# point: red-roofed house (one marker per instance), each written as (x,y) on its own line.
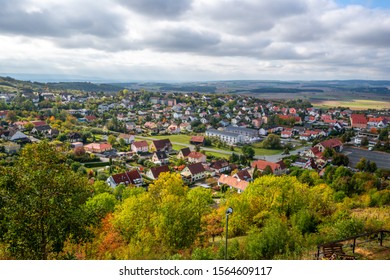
(131,177)
(358,121)
(233,182)
(197,140)
(277,168)
(97,147)
(140,147)
(196,157)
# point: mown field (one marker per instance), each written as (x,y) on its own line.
(354,104)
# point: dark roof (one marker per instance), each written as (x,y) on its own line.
(159,169)
(218,164)
(243,175)
(130,177)
(185,151)
(43,127)
(196,168)
(161,154)
(162,144)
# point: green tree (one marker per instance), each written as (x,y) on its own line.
(98,206)
(272,141)
(248,151)
(43,203)
(111,140)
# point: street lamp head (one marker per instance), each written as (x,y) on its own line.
(229,211)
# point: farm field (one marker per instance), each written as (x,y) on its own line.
(354,104)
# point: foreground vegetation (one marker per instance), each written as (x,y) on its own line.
(48,211)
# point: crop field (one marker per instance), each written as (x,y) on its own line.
(354,104)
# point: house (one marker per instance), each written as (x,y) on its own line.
(335,144)
(196,157)
(74,137)
(193,172)
(243,175)
(154,172)
(132,177)
(220,166)
(161,145)
(185,126)
(128,138)
(183,153)
(358,121)
(286,134)
(197,140)
(277,168)
(41,129)
(90,118)
(233,182)
(160,157)
(19,137)
(11,148)
(257,122)
(140,147)
(97,147)
(318,150)
(173,129)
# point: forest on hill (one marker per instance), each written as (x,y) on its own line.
(48,211)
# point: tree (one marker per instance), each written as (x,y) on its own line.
(43,203)
(248,151)
(111,140)
(272,141)
(340,159)
(11,117)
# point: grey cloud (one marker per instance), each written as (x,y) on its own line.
(182,39)
(59,21)
(250,16)
(158,8)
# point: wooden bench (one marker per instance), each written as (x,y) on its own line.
(335,251)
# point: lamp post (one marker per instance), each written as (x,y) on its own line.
(228,212)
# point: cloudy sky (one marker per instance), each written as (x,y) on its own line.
(194,40)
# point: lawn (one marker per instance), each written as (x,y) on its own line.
(266,152)
(180,138)
(219,155)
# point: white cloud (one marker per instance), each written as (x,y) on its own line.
(193,40)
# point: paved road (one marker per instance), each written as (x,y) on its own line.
(381,159)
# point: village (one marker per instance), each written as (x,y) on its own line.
(214,141)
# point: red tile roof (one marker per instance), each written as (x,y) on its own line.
(140,144)
(197,139)
(196,155)
(233,182)
(262,164)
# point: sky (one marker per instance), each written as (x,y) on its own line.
(196,40)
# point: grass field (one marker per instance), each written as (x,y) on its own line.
(219,155)
(354,104)
(185,139)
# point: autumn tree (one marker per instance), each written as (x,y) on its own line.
(42,202)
